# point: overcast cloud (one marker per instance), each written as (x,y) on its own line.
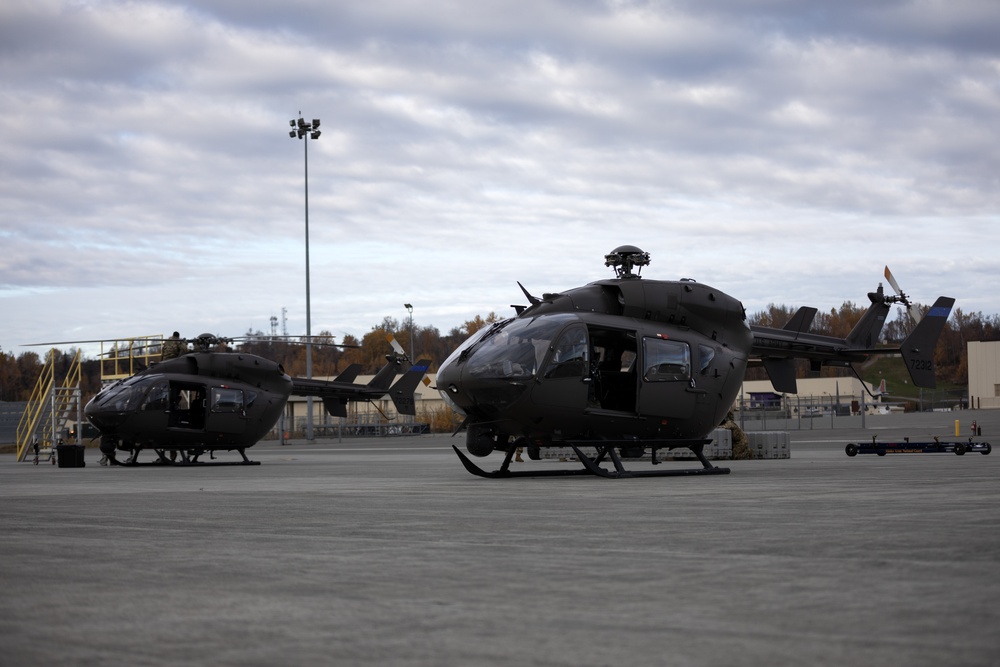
(781,151)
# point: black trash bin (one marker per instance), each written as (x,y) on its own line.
(70,456)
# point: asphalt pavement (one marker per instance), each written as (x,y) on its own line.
(387,552)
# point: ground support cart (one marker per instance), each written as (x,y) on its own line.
(907,447)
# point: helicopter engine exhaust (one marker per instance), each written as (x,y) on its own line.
(480,441)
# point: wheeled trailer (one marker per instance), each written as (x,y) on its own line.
(907,447)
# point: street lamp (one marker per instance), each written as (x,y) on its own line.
(303,130)
(409,309)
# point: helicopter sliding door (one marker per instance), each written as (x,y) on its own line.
(666,378)
(226,411)
(613,369)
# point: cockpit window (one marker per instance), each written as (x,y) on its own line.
(665,360)
(127,395)
(570,354)
(517,349)
(157,397)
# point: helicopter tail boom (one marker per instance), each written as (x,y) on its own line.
(777,349)
(336,394)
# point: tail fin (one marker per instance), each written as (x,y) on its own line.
(383,379)
(402,392)
(801,320)
(349,374)
(336,407)
(918,348)
(865,333)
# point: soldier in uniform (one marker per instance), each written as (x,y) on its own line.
(173,347)
(741,443)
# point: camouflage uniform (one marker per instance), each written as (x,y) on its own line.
(173,347)
(741,443)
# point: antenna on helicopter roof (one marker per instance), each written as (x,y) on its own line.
(623,258)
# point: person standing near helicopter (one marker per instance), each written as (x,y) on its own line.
(173,347)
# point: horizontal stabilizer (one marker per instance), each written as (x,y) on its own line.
(918,348)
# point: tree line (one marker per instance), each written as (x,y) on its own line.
(330,356)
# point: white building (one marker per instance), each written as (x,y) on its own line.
(845,394)
(428,401)
(984,374)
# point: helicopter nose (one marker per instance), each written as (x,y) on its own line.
(104,423)
(468,393)
(104,419)
(448,379)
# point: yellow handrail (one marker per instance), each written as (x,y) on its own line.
(43,396)
(36,403)
(121,358)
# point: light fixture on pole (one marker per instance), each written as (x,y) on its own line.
(409,309)
(303,130)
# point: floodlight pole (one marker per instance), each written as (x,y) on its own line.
(305,131)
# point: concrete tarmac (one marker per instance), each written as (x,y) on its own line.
(387,552)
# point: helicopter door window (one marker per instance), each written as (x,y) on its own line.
(666,360)
(569,355)
(225,399)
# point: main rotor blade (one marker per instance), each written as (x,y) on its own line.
(98,340)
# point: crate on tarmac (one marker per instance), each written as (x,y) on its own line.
(770,444)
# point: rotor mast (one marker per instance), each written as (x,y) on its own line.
(624,258)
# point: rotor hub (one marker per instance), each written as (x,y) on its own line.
(624,258)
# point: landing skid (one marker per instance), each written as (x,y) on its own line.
(188,458)
(592,466)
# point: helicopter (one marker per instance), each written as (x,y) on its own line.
(207,400)
(629,365)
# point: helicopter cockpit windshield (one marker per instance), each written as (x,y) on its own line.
(126,395)
(515,350)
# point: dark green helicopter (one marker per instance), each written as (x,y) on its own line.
(207,400)
(627,365)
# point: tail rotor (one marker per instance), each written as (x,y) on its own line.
(901,297)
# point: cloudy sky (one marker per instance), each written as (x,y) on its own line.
(781,151)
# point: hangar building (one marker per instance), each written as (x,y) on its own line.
(984,374)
